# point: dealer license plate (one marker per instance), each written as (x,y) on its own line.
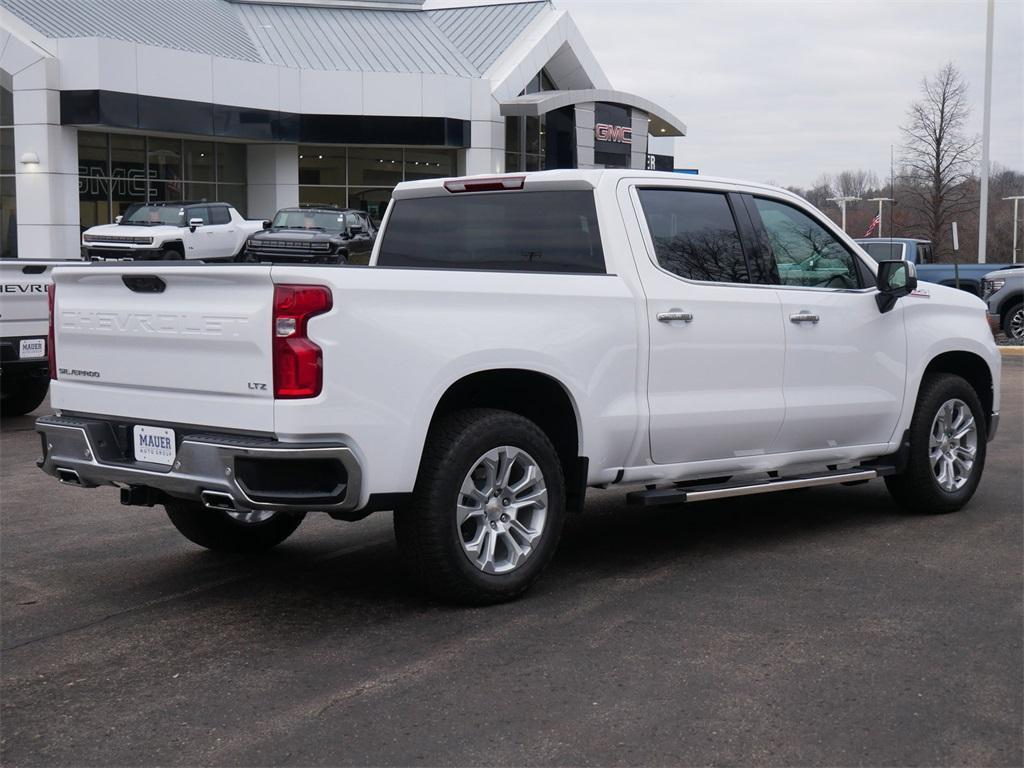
(155,445)
(32,349)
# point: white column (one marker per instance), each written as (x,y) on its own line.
(47,190)
(273,178)
(638,156)
(585,135)
(486,153)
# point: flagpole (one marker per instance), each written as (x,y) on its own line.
(880,201)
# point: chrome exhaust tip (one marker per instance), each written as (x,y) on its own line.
(68,476)
(218,500)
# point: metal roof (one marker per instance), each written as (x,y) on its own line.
(202,26)
(483,32)
(353,40)
(461,41)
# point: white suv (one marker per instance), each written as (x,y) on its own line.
(171,231)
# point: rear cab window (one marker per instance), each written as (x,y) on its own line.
(694,234)
(522,231)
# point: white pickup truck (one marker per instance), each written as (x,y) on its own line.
(172,231)
(514,341)
(24,362)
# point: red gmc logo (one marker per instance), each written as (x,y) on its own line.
(618,134)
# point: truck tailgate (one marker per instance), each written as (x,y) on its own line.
(172,344)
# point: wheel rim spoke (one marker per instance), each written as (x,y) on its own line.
(953,445)
(501,509)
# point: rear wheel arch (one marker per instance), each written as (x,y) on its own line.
(536,396)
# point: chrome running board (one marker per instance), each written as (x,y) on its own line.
(678,495)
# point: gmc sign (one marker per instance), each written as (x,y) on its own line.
(617,134)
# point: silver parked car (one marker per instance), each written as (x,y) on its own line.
(1003,290)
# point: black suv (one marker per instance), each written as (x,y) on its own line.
(314,234)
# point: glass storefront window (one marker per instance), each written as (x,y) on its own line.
(7,151)
(424,164)
(164,159)
(336,196)
(198,157)
(8,188)
(8,219)
(93,155)
(231,159)
(322,165)
(234,194)
(201,191)
(374,167)
(119,170)
(373,201)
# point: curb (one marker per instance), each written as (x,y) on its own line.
(1012,351)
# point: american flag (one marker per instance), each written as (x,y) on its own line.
(875,223)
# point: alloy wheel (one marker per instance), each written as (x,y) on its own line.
(501,509)
(953,444)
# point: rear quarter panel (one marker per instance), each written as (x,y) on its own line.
(397,339)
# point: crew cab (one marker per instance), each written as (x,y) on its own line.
(514,341)
(171,231)
(314,234)
(24,349)
(965,276)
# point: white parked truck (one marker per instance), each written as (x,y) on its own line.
(24,346)
(171,231)
(514,341)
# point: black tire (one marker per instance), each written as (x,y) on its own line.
(220,532)
(171,255)
(917,489)
(429,538)
(24,396)
(1008,317)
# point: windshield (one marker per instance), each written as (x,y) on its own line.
(883,251)
(332,221)
(154,216)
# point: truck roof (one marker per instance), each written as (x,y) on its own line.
(576,179)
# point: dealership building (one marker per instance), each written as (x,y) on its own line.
(272,103)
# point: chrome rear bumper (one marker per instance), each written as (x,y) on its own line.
(87,453)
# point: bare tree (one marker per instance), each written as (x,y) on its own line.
(855,183)
(937,157)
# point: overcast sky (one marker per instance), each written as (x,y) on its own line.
(784,91)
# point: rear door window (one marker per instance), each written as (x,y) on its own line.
(219,215)
(695,235)
(553,231)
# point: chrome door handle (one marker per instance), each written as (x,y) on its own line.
(668,317)
(804,317)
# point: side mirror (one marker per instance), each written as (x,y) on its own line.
(117,219)
(895,280)
(356,229)
(193,223)
(267,224)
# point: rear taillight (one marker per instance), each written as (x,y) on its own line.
(51,343)
(298,362)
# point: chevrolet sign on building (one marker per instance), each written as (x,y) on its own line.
(241,101)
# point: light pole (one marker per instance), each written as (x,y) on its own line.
(1016,199)
(880,200)
(986,134)
(841,202)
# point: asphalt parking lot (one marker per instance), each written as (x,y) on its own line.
(825,627)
